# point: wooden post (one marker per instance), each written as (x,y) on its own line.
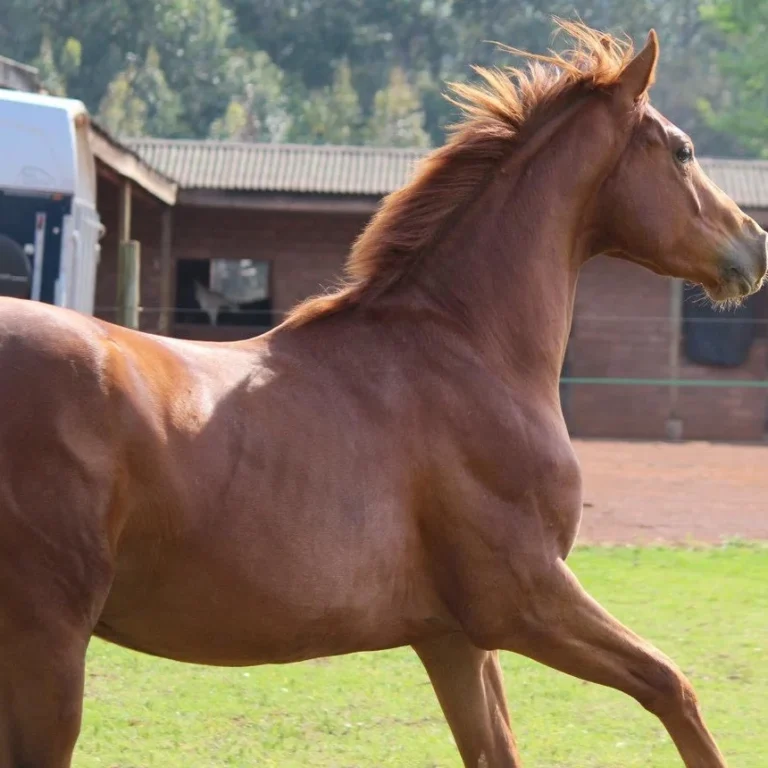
(128,262)
(166,273)
(124,213)
(674,422)
(128,274)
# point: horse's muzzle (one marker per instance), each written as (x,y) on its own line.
(744,268)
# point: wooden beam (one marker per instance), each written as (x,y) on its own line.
(167,272)
(108,173)
(110,176)
(129,165)
(215,198)
(19,77)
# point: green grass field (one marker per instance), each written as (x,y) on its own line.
(707,608)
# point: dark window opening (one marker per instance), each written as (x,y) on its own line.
(717,337)
(20,215)
(223,292)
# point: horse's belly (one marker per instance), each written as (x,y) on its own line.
(230,612)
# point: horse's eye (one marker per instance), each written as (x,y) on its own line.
(684,154)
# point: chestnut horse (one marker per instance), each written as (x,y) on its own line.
(388,467)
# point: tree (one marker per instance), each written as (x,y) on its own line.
(122,111)
(303,37)
(330,115)
(193,40)
(139,101)
(741,109)
(258,106)
(397,119)
(23,24)
(308,38)
(190,39)
(50,77)
(332,66)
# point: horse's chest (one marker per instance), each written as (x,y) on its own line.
(532,486)
(555,495)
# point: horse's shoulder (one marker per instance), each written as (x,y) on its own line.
(40,342)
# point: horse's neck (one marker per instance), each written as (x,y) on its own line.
(509,268)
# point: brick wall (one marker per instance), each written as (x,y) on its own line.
(622,329)
(621,326)
(306,252)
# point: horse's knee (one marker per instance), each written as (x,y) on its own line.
(665,690)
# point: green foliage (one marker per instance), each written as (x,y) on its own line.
(140,102)
(741,107)
(71,57)
(330,115)
(192,38)
(101,49)
(257,108)
(52,80)
(397,119)
(354,71)
(122,111)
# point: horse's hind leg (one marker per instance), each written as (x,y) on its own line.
(470,689)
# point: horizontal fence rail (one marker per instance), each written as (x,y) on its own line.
(630,381)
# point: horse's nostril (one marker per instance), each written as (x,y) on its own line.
(738,276)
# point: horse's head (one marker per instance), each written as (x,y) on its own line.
(659,209)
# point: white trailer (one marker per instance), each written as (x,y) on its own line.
(49,224)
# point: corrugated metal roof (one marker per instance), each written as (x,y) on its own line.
(354,170)
(746,181)
(279,167)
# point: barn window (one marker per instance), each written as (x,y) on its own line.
(716,337)
(224,292)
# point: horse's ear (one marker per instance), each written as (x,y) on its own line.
(638,76)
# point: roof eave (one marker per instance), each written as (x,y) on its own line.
(264,200)
(128,164)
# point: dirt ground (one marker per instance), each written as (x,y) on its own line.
(673,492)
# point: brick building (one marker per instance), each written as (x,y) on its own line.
(280,219)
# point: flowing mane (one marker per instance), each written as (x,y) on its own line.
(494,112)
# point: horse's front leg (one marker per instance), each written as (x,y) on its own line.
(553,620)
(470,689)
